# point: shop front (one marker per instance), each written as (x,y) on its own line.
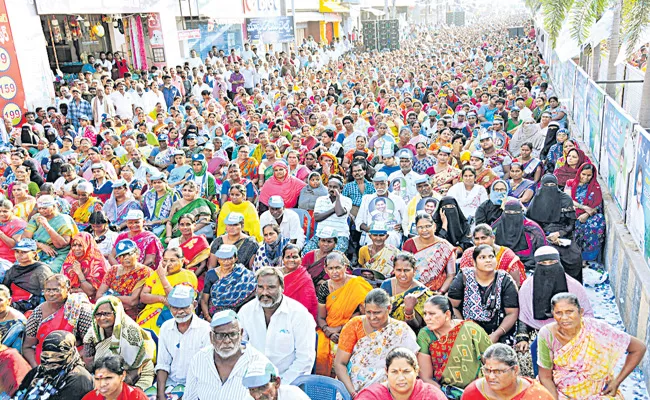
(330,29)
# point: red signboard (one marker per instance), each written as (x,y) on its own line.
(12,95)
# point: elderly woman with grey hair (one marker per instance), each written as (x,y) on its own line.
(365,341)
(85,205)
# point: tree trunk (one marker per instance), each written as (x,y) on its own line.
(644,111)
(595,62)
(613,47)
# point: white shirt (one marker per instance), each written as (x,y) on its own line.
(123,104)
(176,350)
(399,214)
(339,224)
(203,381)
(247,55)
(289,339)
(468,200)
(410,179)
(288,392)
(248,77)
(290,226)
(152,99)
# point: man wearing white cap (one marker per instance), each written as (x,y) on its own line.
(216,372)
(264,383)
(290,226)
(280,327)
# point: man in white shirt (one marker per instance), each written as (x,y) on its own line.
(180,338)
(289,222)
(280,327)
(263,383)
(216,372)
(247,54)
(122,102)
(194,61)
(405,164)
(248,71)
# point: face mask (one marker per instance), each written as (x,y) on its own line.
(180,320)
(497,197)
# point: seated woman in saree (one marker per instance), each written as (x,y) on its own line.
(126,279)
(114,332)
(205,181)
(401,372)
(577,355)
(407,294)
(434,256)
(26,278)
(574,159)
(518,233)
(12,325)
(297,281)
(270,253)
(281,184)
(61,375)
(507,260)
(536,293)
(487,296)
(588,201)
(531,166)
(52,232)
(501,378)
(382,254)
(237,203)
(229,286)
(149,245)
(491,210)
(203,211)
(85,205)
(314,261)
(24,203)
(556,150)
(246,245)
(553,210)
(365,341)
(101,233)
(110,373)
(520,188)
(485,176)
(195,248)
(443,175)
(11,231)
(85,266)
(451,349)
(158,285)
(62,310)
(119,205)
(452,225)
(157,203)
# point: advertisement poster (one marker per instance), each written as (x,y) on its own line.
(594,114)
(270,30)
(638,206)
(580,94)
(618,151)
(568,75)
(12,95)
(156,41)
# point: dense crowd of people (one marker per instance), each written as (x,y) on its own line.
(411,223)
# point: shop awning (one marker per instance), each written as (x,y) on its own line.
(332,6)
(373,11)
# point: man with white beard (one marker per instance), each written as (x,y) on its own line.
(280,327)
(216,371)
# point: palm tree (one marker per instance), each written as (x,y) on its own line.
(631,17)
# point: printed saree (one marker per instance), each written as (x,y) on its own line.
(231,291)
(64,225)
(199,208)
(431,264)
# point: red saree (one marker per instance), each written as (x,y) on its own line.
(195,251)
(299,286)
(507,260)
(421,391)
(535,391)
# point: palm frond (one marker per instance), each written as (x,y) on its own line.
(635,19)
(582,17)
(555,12)
(533,5)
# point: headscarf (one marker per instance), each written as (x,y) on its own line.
(548,280)
(209,184)
(93,263)
(497,198)
(562,160)
(509,229)
(130,341)
(289,188)
(308,194)
(545,205)
(457,226)
(273,251)
(58,359)
(34,176)
(55,168)
(594,196)
(551,138)
(565,172)
(526,133)
(335,166)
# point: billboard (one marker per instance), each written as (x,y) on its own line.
(270,30)
(12,94)
(638,205)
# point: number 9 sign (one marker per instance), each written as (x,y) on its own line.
(13,112)
(5,60)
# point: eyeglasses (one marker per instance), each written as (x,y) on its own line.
(106,314)
(232,336)
(52,290)
(495,372)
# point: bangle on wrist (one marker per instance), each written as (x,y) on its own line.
(504,331)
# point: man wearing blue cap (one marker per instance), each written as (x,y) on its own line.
(180,339)
(264,383)
(216,372)
(399,215)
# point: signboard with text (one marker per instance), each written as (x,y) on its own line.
(638,205)
(270,30)
(12,95)
(189,34)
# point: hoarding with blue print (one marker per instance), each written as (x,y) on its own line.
(579,104)
(638,205)
(594,112)
(270,30)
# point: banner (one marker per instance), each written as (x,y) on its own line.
(156,40)
(594,112)
(580,100)
(638,206)
(567,78)
(12,94)
(270,30)
(618,151)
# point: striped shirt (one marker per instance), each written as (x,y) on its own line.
(204,383)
